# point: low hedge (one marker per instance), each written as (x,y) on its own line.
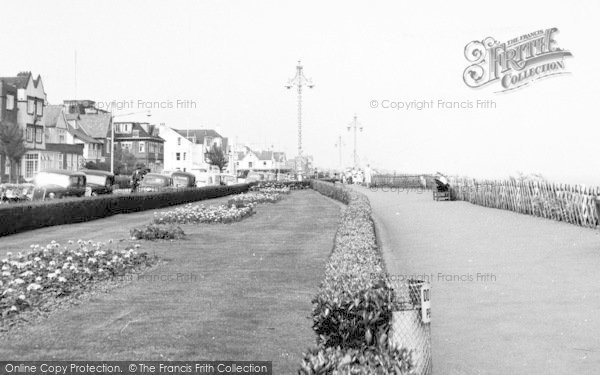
(352,310)
(338,361)
(21,217)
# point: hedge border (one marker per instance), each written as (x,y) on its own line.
(21,217)
(353,308)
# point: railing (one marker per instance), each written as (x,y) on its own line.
(407,181)
(575,204)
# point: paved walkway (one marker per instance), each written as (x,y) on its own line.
(511,294)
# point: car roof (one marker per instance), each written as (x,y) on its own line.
(63,172)
(97,172)
(155,175)
(182,174)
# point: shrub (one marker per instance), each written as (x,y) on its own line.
(154,232)
(20,217)
(336,192)
(339,361)
(123,181)
(352,310)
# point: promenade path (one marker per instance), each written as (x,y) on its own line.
(511,293)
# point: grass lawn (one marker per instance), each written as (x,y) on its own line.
(237,291)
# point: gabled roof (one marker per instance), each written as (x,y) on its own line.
(265,155)
(142,133)
(81,135)
(97,125)
(53,112)
(198,134)
(21,80)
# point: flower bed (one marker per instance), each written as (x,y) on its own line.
(353,308)
(37,279)
(155,232)
(252,198)
(196,214)
(292,185)
(271,189)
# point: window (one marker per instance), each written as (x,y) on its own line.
(29,134)
(61,138)
(142,146)
(38,135)
(126,146)
(39,108)
(136,133)
(178,141)
(30,106)
(10,102)
(184,156)
(60,161)
(264,163)
(177,156)
(249,164)
(31,165)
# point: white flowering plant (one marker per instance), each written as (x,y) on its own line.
(197,214)
(252,198)
(36,279)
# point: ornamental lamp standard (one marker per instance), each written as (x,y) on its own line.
(112,135)
(299,81)
(354,125)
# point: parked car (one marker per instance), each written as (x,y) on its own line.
(16,192)
(208,179)
(183,179)
(155,182)
(59,183)
(228,179)
(100,182)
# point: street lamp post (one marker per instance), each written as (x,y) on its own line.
(299,81)
(112,135)
(354,125)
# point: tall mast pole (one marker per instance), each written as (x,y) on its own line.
(299,81)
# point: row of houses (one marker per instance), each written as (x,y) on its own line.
(71,134)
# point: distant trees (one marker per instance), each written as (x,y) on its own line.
(101,165)
(12,146)
(125,161)
(217,157)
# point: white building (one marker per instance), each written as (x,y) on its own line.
(185,149)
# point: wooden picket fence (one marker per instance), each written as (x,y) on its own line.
(406,181)
(575,204)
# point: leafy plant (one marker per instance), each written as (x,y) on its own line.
(154,232)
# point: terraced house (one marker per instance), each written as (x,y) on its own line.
(143,141)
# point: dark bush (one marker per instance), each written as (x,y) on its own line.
(340,361)
(123,181)
(157,232)
(20,217)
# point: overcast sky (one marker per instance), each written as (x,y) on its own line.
(232,59)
